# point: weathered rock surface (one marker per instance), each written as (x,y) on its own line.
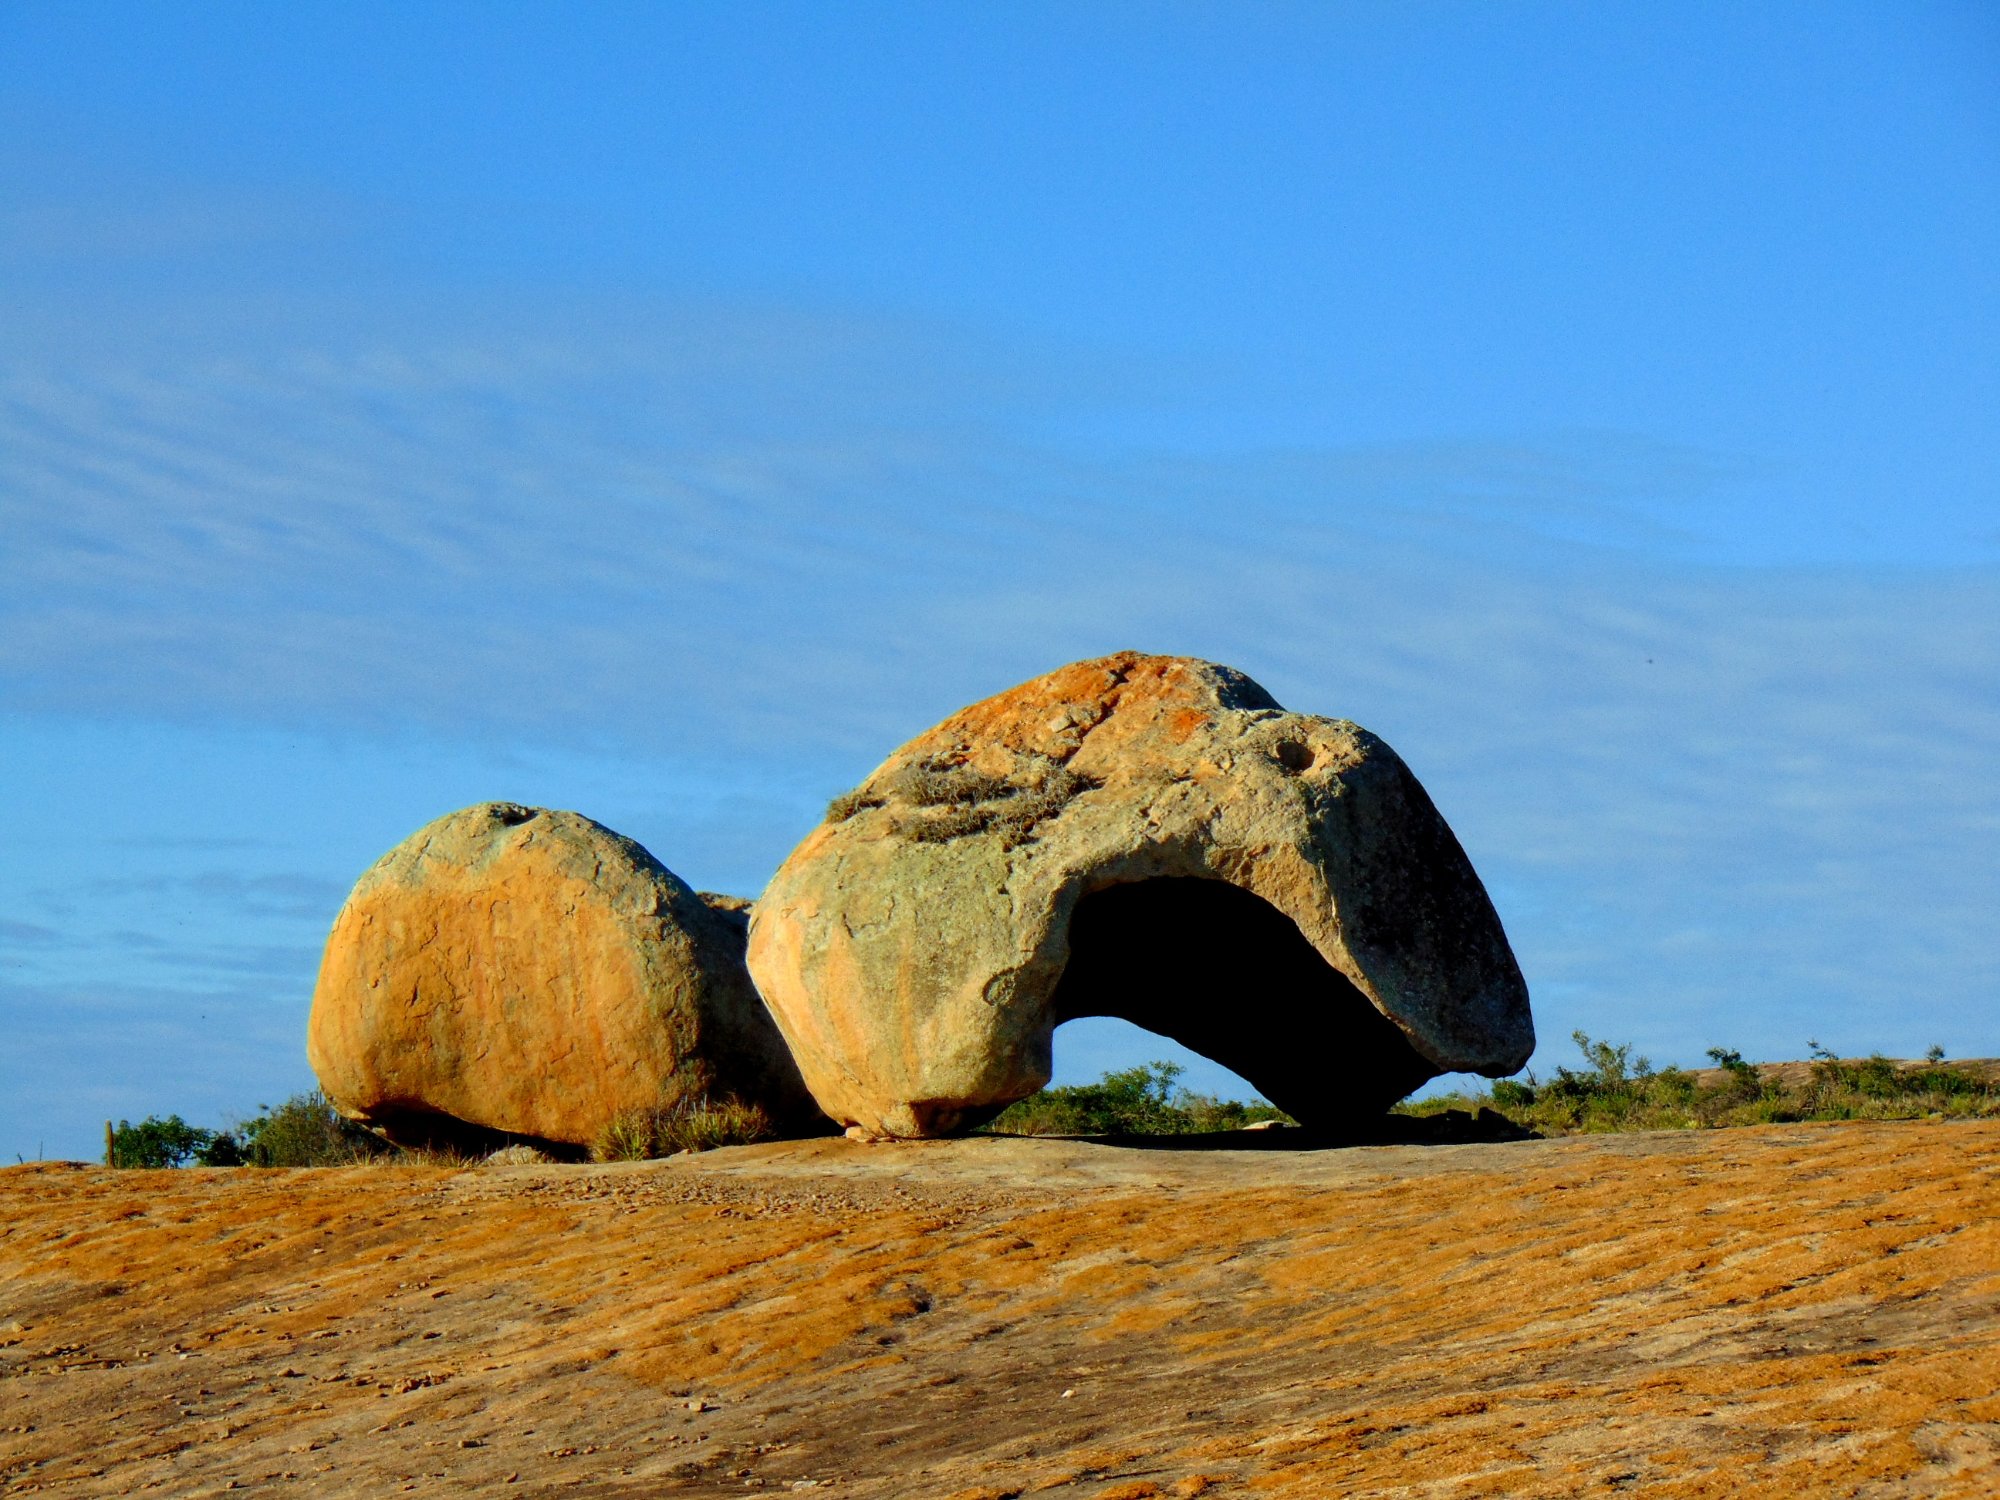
(1148,837)
(1785,1312)
(515,970)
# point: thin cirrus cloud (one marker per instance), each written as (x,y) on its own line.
(573,528)
(28,934)
(235,894)
(124,1052)
(201,925)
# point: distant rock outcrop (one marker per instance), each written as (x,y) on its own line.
(512,971)
(1148,837)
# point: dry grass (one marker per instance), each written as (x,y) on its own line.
(950,800)
(517,1155)
(847,804)
(696,1124)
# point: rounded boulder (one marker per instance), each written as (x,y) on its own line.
(513,971)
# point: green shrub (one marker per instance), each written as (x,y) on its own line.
(1616,1091)
(1130,1101)
(693,1124)
(306,1131)
(223,1151)
(1509,1093)
(155,1142)
(1742,1082)
(1874,1076)
(1612,1072)
(1731,1061)
(1673,1086)
(1941,1080)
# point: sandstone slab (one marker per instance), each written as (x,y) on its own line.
(1148,837)
(516,971)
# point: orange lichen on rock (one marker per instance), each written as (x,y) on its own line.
(1784,1311)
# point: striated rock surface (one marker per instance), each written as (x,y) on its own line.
(1784,1312)
(1148,837)
(519,971)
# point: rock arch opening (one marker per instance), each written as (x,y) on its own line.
(412,1125)
(1088,1047)
(1229,976)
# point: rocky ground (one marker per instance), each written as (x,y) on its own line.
(1796,1310)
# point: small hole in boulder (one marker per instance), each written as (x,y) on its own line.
(1294,756)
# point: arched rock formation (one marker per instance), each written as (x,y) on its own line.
(1148,837)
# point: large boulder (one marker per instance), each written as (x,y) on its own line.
(510,971)
(1149,837)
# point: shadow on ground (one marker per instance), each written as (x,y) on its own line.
(1452,1127)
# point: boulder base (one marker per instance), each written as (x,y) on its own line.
(513,971)
(1148,837)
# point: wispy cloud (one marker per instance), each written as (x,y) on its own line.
(538,534)
(204,843)
(284,963)
(285,895)
(189,929)
(82,1055)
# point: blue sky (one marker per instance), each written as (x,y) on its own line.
(663,411)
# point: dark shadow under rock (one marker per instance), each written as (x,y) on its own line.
(1228,975)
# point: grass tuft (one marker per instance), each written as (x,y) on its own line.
(939,783)
(964,802)
(520,1154)
(952,800)
(847,804)
(696,1124)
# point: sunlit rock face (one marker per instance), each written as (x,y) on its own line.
(510,971)
(1148,837)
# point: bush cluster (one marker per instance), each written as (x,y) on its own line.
(170,1141)
(307,1131)
(304,1131)
(1145,1100)
(1616,1091)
